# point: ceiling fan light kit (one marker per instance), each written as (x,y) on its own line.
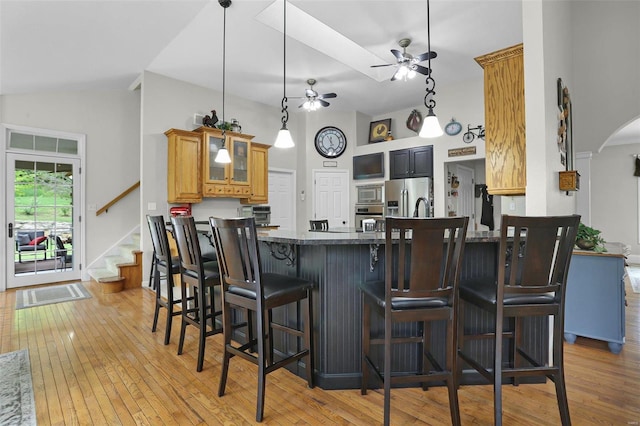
(223,154)
(313,100)
(430,125)
(407,64)
(284,139)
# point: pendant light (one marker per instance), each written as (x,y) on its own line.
(284,139)
(430,125)
(223,154)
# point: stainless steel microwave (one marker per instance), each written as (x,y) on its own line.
(369,194)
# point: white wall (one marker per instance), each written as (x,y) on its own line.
(615,201)
(111,121)
(547,56)
(606,95)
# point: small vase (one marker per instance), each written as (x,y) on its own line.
(585,245)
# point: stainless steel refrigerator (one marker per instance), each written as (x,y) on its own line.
(401,196)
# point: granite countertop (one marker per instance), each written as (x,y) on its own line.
(340,236)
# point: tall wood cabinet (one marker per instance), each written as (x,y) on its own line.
(226,180)
(504,121)
(184,174)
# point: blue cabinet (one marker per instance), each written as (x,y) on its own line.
(595,304)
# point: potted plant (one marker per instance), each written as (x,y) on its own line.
(589,238)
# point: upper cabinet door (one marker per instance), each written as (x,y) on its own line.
(184,176)
(412,162)
(239,161)
(214,172)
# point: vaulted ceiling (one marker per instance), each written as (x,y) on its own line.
(54,45)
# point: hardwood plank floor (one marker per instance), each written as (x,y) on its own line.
(95,361)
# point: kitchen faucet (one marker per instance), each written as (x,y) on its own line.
(426,207)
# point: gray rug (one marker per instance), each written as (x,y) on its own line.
(51,294)
(17,406)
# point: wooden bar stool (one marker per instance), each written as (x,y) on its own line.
(422,269)
(244,285)
(164,266)
(533,265)
(198,279)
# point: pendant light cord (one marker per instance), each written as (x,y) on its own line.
(285,113)
(224,67)
(429,102)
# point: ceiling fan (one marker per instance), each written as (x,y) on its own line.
(313,99)
(407,64)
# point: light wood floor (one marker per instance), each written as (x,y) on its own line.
(95,361)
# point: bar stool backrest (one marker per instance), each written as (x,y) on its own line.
(188,244)
(534,257)
(238,256)
(158,231)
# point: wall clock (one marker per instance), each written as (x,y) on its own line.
(330,142)
(453,127)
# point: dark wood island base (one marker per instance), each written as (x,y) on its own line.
(337,262)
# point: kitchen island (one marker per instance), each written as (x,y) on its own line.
(337,261)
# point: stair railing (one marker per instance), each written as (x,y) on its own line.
(126,192)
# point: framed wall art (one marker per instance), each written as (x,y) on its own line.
(378,130)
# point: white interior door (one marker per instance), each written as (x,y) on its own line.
(282,199)
(331,197)
(43,219)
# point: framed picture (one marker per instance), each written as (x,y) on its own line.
(565,133)
(378,130)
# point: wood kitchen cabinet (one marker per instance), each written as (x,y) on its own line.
(226,180)
(504,121)
(184,173)
(412,162)
(259,160)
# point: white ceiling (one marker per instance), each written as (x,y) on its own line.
(53,45)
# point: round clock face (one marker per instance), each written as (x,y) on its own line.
(330,142)
(453,128)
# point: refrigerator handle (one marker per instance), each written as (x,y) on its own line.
(405,204)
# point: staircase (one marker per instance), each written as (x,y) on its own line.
(122,269)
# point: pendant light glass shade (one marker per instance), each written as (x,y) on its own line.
(223,156)
(430,126)
(284,139)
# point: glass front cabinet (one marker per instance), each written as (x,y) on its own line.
(226,180)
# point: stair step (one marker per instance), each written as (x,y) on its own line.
(103,274)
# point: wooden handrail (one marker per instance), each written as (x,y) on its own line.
(118,198)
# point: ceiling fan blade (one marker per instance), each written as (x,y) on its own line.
(397,54)
(327,96)
(383,65)
(323,102)
(420,69)
(425,56)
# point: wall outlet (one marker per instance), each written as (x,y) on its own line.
(91,207)
(151,206)
(512,206)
